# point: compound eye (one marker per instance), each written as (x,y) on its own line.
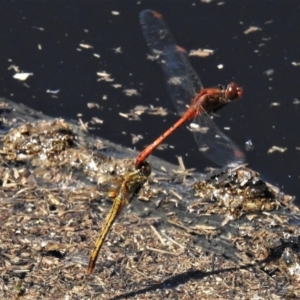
(233,91)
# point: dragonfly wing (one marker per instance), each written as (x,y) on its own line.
(214,144)
(182,81)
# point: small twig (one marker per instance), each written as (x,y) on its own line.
(175,194)
(173,241)
(163,251)
(181,163)
(157,234)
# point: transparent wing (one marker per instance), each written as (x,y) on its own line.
(214,144)
(182,81)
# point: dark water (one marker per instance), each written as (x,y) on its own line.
(261,62)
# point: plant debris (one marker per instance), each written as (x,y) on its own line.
(230,234)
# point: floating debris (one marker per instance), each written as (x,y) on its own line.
(252,29)
(96,120)
(296,64)
(275,104)
(22,76)
(117,50)
(276,148)
(131,92)
(296,101)
(86,46)
(117,85)
(136,138)
(93,105)
(53,91)
(269,72)
(38,28)
(201,52)
(249,145)
(104,76)
(14,67)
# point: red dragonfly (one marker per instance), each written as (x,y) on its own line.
(185,87)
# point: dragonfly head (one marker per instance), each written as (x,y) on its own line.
(233,92)
(145,169)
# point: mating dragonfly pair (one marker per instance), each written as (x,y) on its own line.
(192,101)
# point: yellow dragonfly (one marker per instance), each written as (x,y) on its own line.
(131,184)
